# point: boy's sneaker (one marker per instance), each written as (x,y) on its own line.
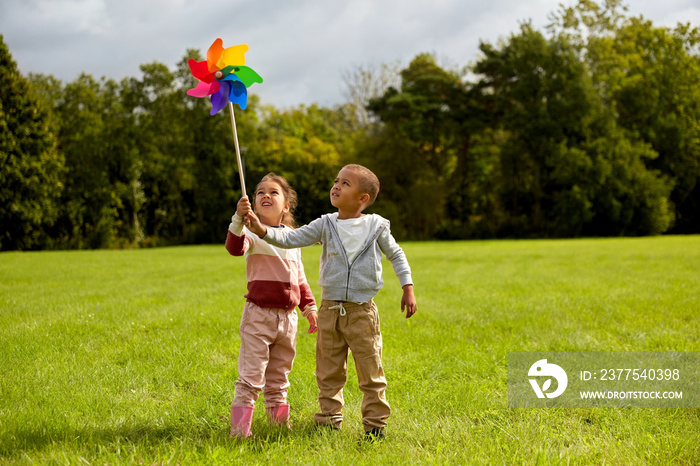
(375,435)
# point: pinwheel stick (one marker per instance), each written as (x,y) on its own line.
(238,150)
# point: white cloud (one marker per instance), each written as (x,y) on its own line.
(300,48)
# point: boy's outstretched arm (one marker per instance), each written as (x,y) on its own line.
(287,238)
(408,301)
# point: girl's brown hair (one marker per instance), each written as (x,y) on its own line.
(289,195)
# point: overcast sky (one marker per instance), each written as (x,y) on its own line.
(299,47)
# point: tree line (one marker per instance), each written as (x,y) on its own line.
(590,127)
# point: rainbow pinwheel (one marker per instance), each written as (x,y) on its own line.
(223,76)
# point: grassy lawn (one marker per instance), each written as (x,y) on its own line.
(130,356)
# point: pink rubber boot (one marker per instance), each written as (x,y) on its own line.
(279,415)
(241,419)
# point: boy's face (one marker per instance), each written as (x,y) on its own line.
(345,193)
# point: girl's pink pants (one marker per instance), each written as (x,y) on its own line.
(268,346)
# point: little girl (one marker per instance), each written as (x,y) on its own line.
(276,286)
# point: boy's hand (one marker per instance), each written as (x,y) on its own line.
(243,208)
(408,301)
(254,225)
(313,322)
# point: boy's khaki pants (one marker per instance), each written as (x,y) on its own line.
(344,326)
(268,347)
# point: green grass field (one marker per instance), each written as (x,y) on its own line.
(130,356)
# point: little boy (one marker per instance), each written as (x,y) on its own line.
(350,275)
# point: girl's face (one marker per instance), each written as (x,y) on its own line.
(270,203)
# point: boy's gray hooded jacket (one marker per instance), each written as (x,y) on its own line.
(360,280)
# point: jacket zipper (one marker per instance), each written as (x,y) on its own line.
(345,254)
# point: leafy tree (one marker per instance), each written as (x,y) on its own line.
(589,130)
(304,145)
(96,137)
(658,99)
(89,213)
(649,77)
(31,169)
(568,168)
(167,165)
(417,145)
(543,98)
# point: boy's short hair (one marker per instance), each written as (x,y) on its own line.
(369,183)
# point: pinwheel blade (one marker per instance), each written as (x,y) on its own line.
(247,75)
(220,98)
(214,55)
(233,56)
(231,77)
(200,70)
(238,94)
(203,89)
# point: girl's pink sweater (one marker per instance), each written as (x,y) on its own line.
(276,276)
